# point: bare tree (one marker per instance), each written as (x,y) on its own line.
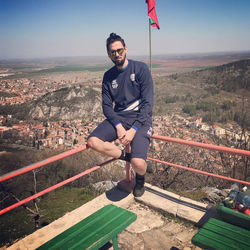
(7,193)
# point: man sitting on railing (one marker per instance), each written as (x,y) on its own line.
(129,86)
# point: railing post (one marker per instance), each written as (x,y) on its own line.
(128,183)
(128,169)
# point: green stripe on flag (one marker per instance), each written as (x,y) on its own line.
(151,21)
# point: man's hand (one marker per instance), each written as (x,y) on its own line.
(129,136)
(121,132)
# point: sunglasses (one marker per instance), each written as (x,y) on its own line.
(119,51)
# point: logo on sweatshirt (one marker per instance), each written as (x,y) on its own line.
(132,77)
(150,131)
(114,84)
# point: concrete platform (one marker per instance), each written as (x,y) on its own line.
(154,199)
(174,204)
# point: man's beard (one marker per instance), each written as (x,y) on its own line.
(119,63)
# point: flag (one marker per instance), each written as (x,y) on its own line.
(152,13)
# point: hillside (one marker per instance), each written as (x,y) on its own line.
(217,94)
(74,103)
(229,77)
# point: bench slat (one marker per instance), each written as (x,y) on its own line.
(94,231)
(228,229)
(217,234)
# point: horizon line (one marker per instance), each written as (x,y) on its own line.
(132,56)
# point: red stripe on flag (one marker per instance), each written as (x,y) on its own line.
(152,13)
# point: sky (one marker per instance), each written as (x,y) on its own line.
(60,28)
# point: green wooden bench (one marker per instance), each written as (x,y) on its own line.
(94,231)
(217,234)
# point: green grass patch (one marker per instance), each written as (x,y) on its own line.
(18,67)
(19,222)
(62,201)
(181,221)
(154,65)
(195,195)
(68,68)
(198,67)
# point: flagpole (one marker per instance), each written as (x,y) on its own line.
(150,51)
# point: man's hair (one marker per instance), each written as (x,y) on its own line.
(113,38)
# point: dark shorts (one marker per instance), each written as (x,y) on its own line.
(139,145)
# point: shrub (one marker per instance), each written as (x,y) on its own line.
(189,109)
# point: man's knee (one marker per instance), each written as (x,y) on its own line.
(93,142)
(138,163)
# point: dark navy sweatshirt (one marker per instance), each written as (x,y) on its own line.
(128,93)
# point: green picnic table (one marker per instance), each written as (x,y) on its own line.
(94,231)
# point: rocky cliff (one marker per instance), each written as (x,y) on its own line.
(68,104)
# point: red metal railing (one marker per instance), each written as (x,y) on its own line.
(203,145)
(128,172)
(60,184)
(195,144)
(199,171)
(42,163)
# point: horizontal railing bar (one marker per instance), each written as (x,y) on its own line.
(198,171)
(42,163)
(203,145)
(79,149)
(20,203)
